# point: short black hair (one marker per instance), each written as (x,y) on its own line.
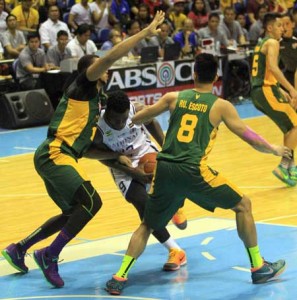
(82,29)
(118,102)
(33,35)
(269,18)
(62,33)
(9,16)
(206,66)
(85,61)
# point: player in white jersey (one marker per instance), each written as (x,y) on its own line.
(116,132)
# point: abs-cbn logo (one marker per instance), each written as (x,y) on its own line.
(161,74)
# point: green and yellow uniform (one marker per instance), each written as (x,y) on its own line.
(182,170)
(266,94)
(70,134)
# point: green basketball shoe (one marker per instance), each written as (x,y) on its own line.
(283,174)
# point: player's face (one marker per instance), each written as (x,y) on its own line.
(277,29)
(116,120)
(288,26)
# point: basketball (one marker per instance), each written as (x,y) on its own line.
(148,161)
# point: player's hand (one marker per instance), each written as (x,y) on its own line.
(282,151)
(125,160)
(152,29)
(293,98)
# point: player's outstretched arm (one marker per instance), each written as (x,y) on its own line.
(232,120)
(101,65)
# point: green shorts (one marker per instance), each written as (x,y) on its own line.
(174,182)
(61,174)
(272,103)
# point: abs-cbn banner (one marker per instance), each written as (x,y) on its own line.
(151,76)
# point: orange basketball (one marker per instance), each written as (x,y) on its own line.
(148,161)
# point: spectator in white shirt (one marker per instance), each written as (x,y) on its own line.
(80,13)
(49,29)
(3,15)
(81,44)
(100,11)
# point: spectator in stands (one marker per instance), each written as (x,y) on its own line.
(212,30)
(32,62)
(143,16)
(80,13)
(256,29)
(81,44)
(100,11)
(240,18)
(59,52)
(277,6)
(49,29)
(134,7)
(214,5)
(3,16)
(153,5)
(27,17)
(198,14)
(114,38)
(13,40)
(177,16)
(163,38)
(119,12)
(232,28)
(43,10)
(253,8)
(294,15)
(1,51)
(187,38)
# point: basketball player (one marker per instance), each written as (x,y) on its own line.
(269,98)
(70,134)
(182,170)
(117,132)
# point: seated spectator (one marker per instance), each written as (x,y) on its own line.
(27,17)
(253,8)
(198,14)
(163,38)
(32,62)
(80,13)
(277,6)
(143,16)
(213,30)
(232,28)
(100,12)
(3,16)
(49,29)
(43,10)
(59,52)
(214,5)
(119,12)
(187,38)
(81,44)
(240,18)
(1,51)
(256,29)
(13,40)
(153,5)
(114,38)
(177,16)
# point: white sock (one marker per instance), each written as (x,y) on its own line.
(171,243)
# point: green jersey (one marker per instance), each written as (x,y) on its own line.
(261,74)
(190,135)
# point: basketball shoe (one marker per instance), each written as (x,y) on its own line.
(180,220)
(293,173)
(49,267)
(15,257)
(115,285)
(283,174)
(268,271)
(176,259)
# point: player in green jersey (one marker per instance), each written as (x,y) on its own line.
(272,100)
(182,170)
(70,135)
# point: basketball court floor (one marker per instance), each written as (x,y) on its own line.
(217,266)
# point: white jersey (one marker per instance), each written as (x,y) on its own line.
(133,141)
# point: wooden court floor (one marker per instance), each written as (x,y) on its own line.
(25,204)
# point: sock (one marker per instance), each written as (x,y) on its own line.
(171,243)
(32,239)
(59,243)
(127,264)
(255,257)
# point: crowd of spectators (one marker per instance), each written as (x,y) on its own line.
(72,28)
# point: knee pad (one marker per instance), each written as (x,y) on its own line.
(88,197)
